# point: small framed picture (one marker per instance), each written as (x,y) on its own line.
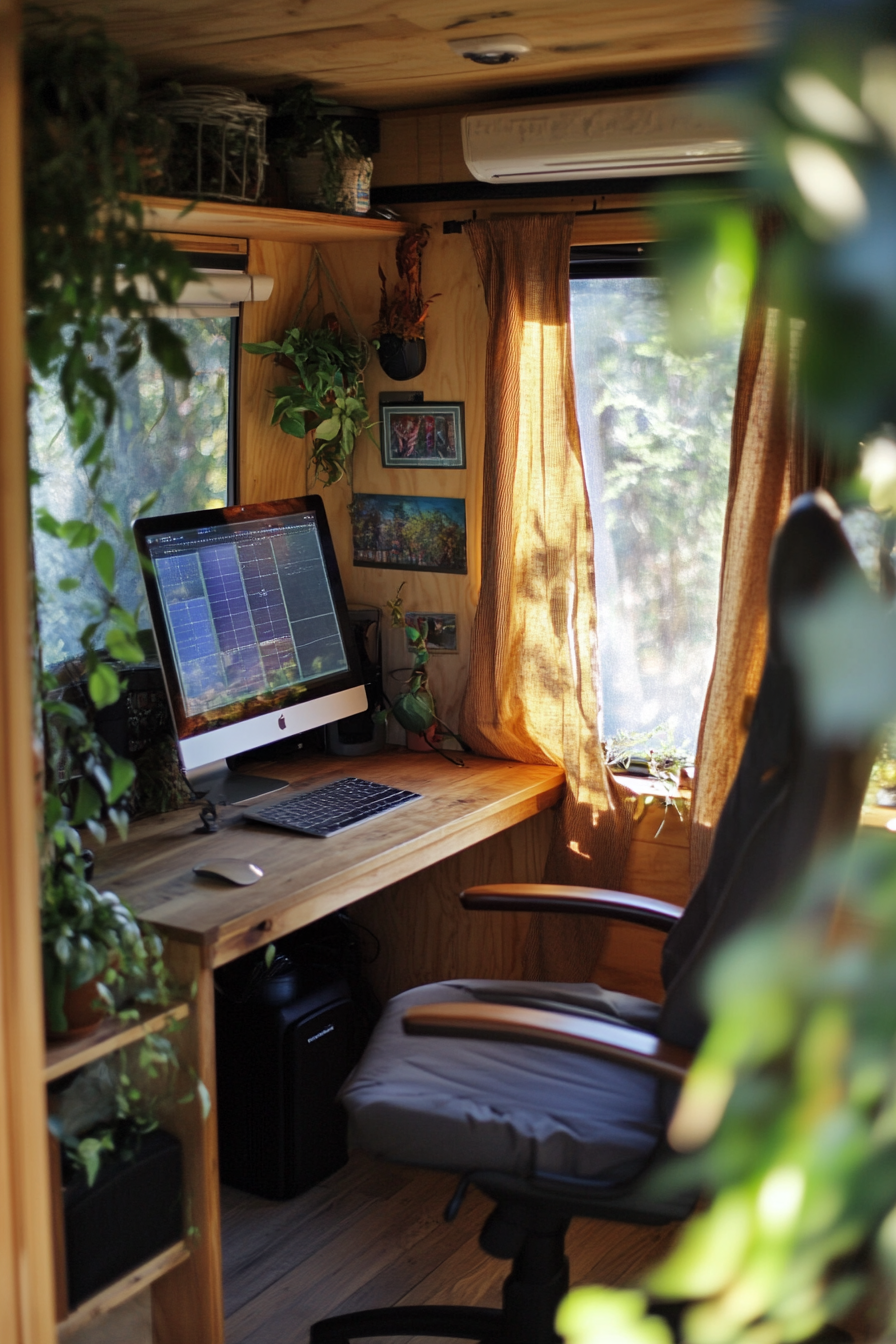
(426,434)
(441,636)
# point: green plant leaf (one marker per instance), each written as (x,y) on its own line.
(68,585)
(124,772)
(104,686)
(328,429)
(78,534)
(88,803)
(104,564)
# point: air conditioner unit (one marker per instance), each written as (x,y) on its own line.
(637,137)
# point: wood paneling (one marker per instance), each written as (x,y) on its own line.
(272,465)
(426,935)
(186,1302)
(379,54)
(26,1254)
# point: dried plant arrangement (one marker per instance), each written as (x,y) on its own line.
(403,313)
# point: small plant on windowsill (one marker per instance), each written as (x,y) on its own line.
(653,754)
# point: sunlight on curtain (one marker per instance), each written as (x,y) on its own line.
(767,469)
(533,690)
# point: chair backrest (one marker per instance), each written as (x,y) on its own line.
(789,794)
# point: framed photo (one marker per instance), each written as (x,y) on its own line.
(441,637)
(409,532)
(426,434)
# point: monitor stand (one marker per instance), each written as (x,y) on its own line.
(217,783)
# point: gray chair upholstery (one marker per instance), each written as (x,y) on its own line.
(550,1133)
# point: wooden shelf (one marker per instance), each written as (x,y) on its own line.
(64,1056)
(123,1289)
(221,219)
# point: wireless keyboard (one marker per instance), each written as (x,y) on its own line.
(333,807)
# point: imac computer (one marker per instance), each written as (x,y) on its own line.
(252,631)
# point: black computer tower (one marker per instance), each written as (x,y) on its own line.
(279,1067)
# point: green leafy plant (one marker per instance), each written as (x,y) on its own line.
(127,1098)
(324,394)
(89,266)
(414,708)
(303,123)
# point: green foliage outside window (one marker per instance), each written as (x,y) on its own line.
(656,432)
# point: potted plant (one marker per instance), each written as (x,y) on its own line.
(323,164)
(414,708)
(400,327)
(324,393)
(83,132)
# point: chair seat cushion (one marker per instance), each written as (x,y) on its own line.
(460,1105)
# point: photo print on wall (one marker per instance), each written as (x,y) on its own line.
(426,434)
(441,635)
(409,532)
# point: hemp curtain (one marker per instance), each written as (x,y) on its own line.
(533,688)
(771,463)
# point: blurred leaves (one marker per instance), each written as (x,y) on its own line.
(819,111)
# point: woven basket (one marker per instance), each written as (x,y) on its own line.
(217,143)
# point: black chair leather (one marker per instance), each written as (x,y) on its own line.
(551,1133)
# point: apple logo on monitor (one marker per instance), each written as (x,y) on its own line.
(281,722)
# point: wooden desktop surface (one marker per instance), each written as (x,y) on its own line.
(306,878)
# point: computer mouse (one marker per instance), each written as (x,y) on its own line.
(240,871)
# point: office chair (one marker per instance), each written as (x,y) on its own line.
(553,1099)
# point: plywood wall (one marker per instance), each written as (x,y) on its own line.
(273,466)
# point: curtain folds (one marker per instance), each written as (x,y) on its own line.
(533,689)
(771,463)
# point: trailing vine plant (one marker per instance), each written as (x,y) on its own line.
(90,273)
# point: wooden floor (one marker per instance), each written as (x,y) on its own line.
(373,1235)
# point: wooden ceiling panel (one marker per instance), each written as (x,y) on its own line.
(394,53)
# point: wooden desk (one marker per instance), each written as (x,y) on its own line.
(210,922)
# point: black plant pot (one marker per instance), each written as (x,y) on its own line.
(400,359)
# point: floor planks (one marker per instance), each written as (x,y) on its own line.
(372,1235)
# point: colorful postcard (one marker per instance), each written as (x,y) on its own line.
(409,532)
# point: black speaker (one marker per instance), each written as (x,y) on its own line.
(359,735)
(130,1214)
(279,1067)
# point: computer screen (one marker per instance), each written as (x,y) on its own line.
(251,626)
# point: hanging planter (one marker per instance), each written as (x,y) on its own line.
(402,359)
(324,391)
(402,321)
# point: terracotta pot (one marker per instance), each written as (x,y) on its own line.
(80,1014)
(422,741)
(400,359)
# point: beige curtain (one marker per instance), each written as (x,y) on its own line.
(533,689)
(771,463)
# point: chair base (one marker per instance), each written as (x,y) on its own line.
(480,1323)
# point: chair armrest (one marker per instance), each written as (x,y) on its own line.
(573,901)
(560,1031)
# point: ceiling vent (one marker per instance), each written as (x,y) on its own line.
(637,137)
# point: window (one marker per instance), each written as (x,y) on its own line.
(655,429)
(165,438)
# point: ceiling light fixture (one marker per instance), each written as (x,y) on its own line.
(500,50)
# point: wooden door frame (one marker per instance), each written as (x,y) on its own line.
(26,1276)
